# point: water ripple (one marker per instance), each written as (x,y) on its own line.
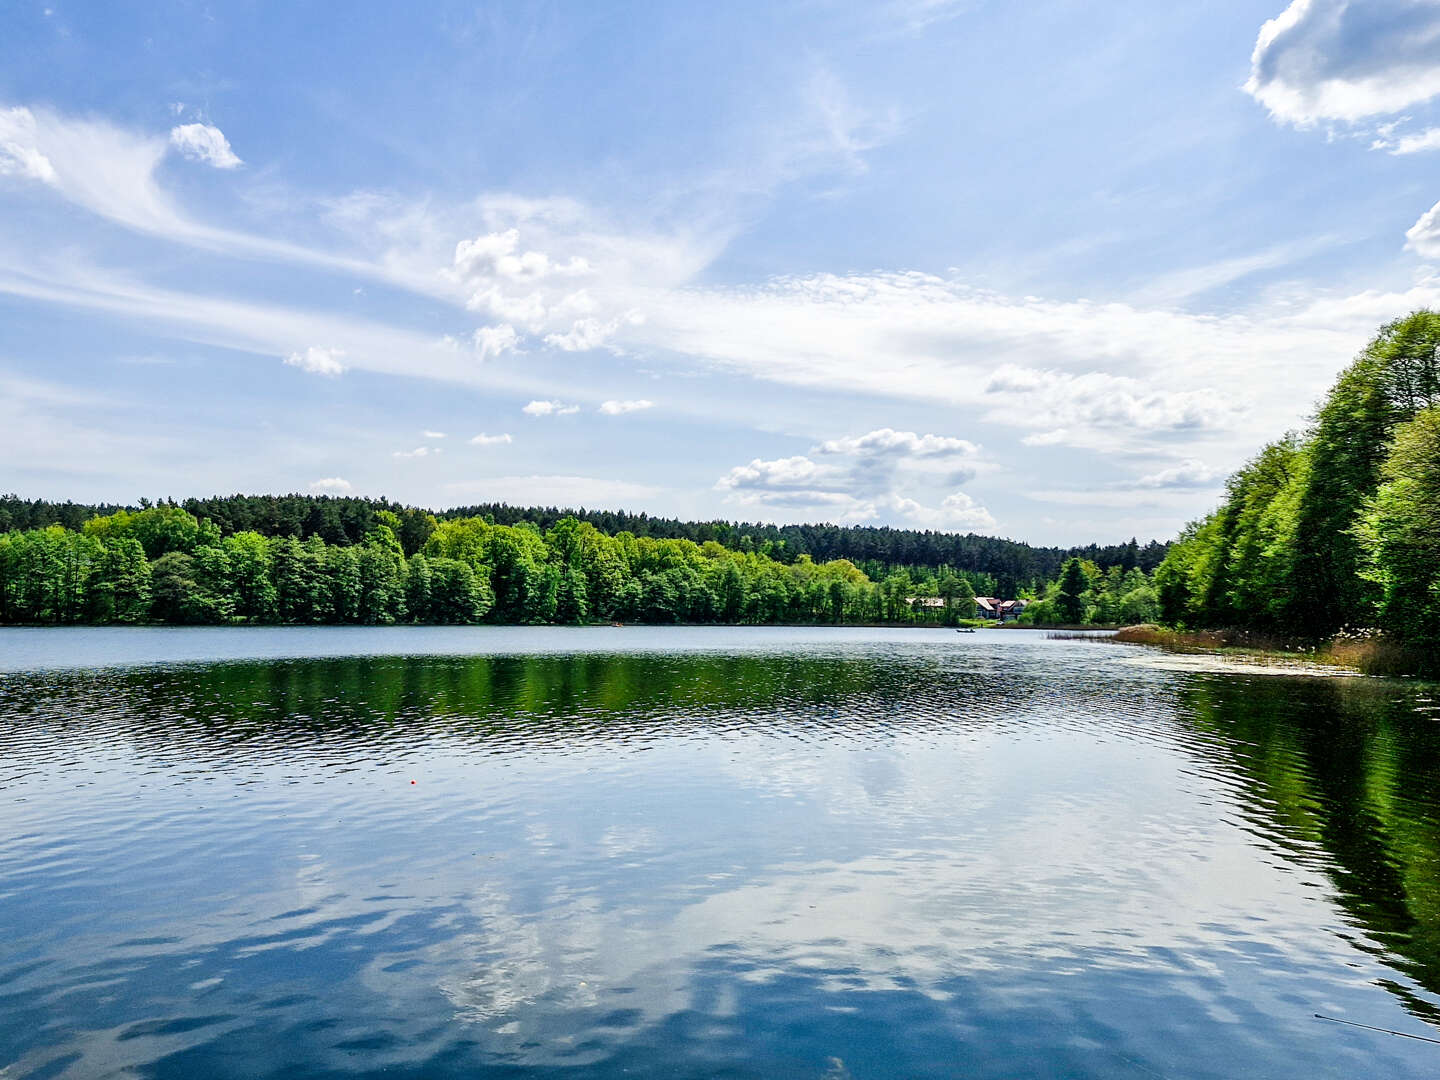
(868,854)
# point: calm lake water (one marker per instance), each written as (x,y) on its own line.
(705,853)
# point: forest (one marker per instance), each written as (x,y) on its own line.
(162,564)
(1336,529)
(998,567)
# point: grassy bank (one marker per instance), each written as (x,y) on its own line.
(1370,653)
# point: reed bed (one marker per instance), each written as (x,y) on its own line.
(1369,652)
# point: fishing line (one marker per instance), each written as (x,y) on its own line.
(1367,1027)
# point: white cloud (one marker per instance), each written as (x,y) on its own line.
(318,361)
(906,336)
(1412,143)
(591,333)
(1054,437)
(791,472)
(1187,474)
(963,512)
(1144,372)
(583,335)
(1423,237)
(492,341)
(19,151)
(514,285)
(617,408)
(1346,61)
(490,440)
(888,441)
(549,408)
(331,485)
(205,143)
(934,340)
(878,477)
(957,511)
(1063,404)
(498,254)
(258,328)
(418,452)
(433,434)
(111,172)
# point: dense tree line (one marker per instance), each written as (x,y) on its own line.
(164,564)
(1010,564)
(1085,594)
(1336,528)
(998,567)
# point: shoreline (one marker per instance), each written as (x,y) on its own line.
(1371,654)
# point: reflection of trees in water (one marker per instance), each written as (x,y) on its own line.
(254,710)
(1345,775)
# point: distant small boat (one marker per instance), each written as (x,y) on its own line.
(617,624)
(964,630)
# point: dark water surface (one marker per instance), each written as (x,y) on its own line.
(705,853)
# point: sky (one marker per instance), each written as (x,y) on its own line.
(1047,270)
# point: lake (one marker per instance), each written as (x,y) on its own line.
(705,852)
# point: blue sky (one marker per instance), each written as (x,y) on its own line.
(1046,270)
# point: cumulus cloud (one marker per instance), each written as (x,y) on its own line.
(549,408)
(617,408)
(506,281)
(888,441)
(1340,60)
(498,254)
(330,485)
(865,478)
(1423,237)
(791,472)
(963,512)
(20,153)
(433,434)
(490,440)
(1187,474)
(418,452)
(205,143)
(318,360)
